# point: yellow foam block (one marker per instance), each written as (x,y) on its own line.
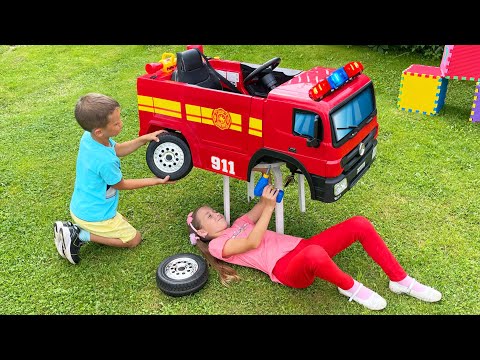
(422,90)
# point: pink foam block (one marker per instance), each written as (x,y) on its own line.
(461,62)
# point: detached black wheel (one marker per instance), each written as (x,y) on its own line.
(170,156)
(182,274)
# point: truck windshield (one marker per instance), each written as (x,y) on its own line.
(352,114)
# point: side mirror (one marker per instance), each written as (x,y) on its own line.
(314,142)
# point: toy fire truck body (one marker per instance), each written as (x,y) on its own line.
(228,116)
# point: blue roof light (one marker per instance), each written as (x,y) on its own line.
(338,78)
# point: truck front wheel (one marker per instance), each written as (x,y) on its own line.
(170,156)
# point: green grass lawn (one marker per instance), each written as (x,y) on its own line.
(421,193)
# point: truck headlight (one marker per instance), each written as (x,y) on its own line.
(374,152)
(340,187)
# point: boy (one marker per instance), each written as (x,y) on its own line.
(93,206)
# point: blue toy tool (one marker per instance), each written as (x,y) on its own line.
(264,182)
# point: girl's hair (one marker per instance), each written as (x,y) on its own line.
(226,273)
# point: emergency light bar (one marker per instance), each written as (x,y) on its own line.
(335,80)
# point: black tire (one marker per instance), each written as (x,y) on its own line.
(170,156)
(182,274)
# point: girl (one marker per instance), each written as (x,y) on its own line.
(293,261)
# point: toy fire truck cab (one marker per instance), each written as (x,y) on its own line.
(321,122)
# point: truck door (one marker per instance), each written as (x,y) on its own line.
(291,130)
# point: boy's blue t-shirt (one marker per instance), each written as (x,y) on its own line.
(98,167)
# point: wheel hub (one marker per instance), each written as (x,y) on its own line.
(168,157)
(181,268)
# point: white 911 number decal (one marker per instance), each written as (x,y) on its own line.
(223,165)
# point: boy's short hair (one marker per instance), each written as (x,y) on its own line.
(92,110)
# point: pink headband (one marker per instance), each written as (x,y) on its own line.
(193,236)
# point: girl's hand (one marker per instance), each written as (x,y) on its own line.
(269,196)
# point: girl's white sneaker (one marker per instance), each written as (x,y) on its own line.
(374,302)
(429,294)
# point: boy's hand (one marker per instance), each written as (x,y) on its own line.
(153,136)
(165,180)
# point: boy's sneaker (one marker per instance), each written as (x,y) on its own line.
(57,238)
(71,243)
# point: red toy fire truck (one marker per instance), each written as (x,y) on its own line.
(228,116)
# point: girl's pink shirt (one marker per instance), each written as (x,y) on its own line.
(273,247)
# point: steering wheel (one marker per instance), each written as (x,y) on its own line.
(272,64)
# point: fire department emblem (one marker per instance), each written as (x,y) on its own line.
(221,118)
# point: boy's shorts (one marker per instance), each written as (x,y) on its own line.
(116,227)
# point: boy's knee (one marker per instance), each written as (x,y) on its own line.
(135,241)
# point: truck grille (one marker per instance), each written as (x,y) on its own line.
(353,157)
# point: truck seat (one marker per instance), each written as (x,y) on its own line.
(191,69)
